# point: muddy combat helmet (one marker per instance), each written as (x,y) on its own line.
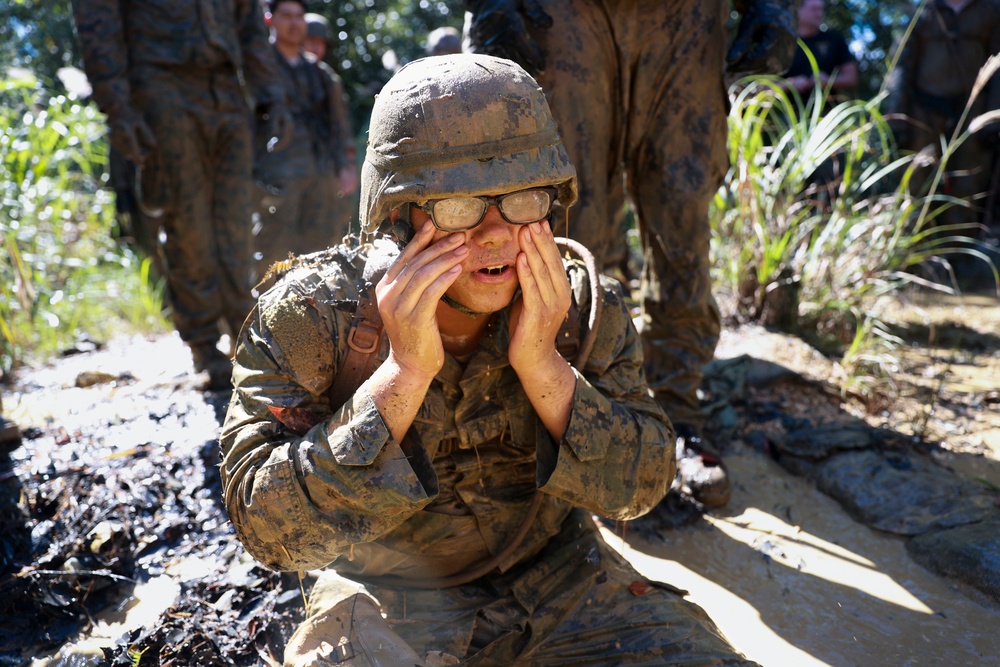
(460,125)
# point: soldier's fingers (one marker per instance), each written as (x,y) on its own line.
(424,272)
(417,244)
(546,264)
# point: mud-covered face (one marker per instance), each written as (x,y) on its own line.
(488,281)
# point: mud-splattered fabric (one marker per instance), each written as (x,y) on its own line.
(309,484)
(180,65)
(638,85)
(298,207)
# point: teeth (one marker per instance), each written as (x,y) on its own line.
(494,270)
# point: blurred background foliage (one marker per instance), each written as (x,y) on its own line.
(63,277)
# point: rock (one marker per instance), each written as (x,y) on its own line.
(969,553)
(903,494)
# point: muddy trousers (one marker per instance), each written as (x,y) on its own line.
(571,605)
(638,84)
(201,175)
(307,216)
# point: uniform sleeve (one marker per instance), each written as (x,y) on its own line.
(259,66)
(617,456)
(304,480)
(105,52)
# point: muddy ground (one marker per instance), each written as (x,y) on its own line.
(861,530)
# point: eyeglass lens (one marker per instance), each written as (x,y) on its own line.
(519,208)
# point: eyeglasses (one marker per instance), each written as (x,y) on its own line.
(459,214)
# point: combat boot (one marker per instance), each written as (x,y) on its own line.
(701,474)
(208,358)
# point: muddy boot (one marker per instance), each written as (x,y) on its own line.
(207,357)
(701,474)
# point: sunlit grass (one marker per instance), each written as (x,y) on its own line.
(834,245)
(62,275)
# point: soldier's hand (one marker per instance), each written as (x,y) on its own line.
(408,296)
(765,40)
(498,28)
(131,136)
(277,125)
(545,300)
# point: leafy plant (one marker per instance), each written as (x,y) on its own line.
(62,275)
(817,215)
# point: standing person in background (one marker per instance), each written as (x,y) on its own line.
(838,68)
(302,184)
(640,86)
(928,92)
(317,45)
(169,77)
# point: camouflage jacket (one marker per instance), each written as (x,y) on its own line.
(307,483)
(322,140)
(121,36)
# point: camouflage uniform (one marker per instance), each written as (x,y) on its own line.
(931,85)
(301,208)
(339,490)
(178,64)
(639,85)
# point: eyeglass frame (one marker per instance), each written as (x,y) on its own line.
(428,207)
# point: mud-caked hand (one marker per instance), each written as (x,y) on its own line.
(130,135)
(277,125)
(765,40)
(408,296)
(545,300)
(498,28)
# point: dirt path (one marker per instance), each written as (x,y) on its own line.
(788,576)
(791,579)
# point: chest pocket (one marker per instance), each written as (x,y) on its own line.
(520,416)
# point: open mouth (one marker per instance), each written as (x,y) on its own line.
(494,270)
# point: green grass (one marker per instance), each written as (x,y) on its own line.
(840,244)
(62,275)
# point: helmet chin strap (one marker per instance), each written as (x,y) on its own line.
(460,307)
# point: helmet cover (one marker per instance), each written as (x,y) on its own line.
(460,125)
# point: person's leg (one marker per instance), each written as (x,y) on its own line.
(614,617)
(231,202)
(676,160)
(319,225)
(171,107)
(581,83)
(279,227)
